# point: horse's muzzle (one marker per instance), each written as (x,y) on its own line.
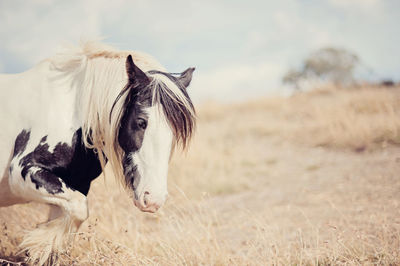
(148,203)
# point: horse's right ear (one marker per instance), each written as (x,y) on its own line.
(186,77)
(134,72)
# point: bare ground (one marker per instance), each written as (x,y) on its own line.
(318,205)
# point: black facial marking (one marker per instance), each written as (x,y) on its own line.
(75,165)
(134,120)
(131,174)
(20,142)
(131,134)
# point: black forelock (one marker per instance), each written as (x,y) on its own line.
(180,115)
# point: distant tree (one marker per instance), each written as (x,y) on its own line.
(293,77)
(328,64)
(387,83)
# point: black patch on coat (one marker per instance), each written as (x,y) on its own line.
(20,142)
(48,180)
(74,165)
(84,166)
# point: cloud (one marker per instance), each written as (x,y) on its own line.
(236,83)
(370,6)
(36,29)
(240,48)
(292,24)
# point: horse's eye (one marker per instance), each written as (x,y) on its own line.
(142,123)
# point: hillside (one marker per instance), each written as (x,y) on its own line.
(309,179)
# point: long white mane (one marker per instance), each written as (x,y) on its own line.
(98,74)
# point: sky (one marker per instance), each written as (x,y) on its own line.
(241,49)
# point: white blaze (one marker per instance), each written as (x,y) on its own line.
(153,157)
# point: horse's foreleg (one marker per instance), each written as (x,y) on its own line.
(49,239)
(68,210)
(55,212)
(7,197)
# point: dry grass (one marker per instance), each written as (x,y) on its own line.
(344,118)
(310,179)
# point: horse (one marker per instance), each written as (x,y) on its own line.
(73,113)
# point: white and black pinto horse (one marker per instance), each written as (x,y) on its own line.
(64,119)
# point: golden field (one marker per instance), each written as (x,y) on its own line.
(309,179)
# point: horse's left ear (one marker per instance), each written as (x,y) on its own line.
(186,77)
(134,72)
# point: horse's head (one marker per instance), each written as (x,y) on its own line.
(157,113)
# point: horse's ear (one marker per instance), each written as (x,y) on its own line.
(134,72)
(186,77)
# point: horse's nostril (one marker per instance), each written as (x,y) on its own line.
(145,198)
(148,203)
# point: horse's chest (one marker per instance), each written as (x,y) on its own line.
(51,164)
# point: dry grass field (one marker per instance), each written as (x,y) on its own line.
(310,179)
